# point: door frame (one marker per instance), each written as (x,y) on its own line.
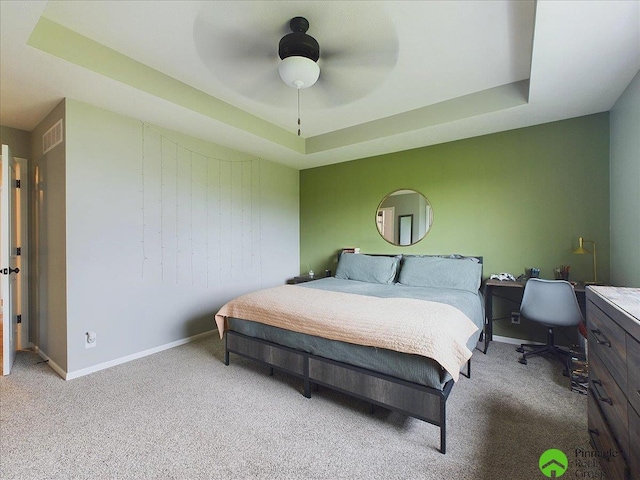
(23,240)
(385,221)
(21,206)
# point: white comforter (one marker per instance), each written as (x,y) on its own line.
(435,330)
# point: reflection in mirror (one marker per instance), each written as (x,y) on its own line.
(404,217)
(405,225)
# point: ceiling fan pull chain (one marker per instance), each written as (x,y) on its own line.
(298,111)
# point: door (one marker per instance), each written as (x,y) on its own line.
(405,229)
(385,222)
(8,259)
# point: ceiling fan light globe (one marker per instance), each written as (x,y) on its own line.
(299,72)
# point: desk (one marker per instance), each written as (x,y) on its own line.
(490,288)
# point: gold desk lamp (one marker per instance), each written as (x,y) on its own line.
(581,251)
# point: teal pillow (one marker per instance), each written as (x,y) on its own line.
(367,268)
(441,272)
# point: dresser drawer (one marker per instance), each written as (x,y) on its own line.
(603,441)
(633,372)
(611,400)
(634,440)
(608,340)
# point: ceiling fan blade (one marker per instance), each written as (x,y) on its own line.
(374,58)
(365,62)
(352,71)
(333,90)
(266,87)
(341,84)
(223,43)
(240,48)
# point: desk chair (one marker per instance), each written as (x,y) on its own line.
(553,304)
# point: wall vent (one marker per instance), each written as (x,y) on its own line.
(52,137)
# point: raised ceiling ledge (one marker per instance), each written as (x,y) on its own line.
(487,101)
(55,39)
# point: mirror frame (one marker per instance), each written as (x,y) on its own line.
(400,217)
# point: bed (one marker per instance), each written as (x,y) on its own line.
(392,330)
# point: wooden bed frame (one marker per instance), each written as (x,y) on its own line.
(418,401)
(424,403)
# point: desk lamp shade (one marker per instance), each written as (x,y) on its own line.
(582,251)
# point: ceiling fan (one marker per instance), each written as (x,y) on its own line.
(251,50)
(299,53)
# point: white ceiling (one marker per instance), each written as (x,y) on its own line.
(394,75)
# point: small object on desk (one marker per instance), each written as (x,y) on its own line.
(311,274)
(327,273)
(532,272)
(503,277)
(562,272)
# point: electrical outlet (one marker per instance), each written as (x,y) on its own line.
(89,339)
(515,318)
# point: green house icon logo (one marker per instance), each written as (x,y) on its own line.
(553,463)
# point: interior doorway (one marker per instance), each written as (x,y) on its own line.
(14,321)
(386,223)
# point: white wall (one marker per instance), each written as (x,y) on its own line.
(162,230)
(47,249)
(625,187)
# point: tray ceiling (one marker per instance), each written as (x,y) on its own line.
(394,75)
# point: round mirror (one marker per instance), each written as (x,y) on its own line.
(404,217)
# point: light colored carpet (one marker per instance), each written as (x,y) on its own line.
(183,414)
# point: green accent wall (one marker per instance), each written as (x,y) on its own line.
(519,198)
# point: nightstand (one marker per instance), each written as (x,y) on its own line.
(305,278)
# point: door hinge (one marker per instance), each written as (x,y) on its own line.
(17,183)
(18,251)
(19,319)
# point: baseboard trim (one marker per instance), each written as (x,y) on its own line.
(118,361)
(135,356)
(56,368)
(513,341)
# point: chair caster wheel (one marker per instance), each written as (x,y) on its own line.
(520,350)
(522,360)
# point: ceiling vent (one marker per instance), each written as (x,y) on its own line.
(52,137)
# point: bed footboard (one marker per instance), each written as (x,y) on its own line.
(424,403)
